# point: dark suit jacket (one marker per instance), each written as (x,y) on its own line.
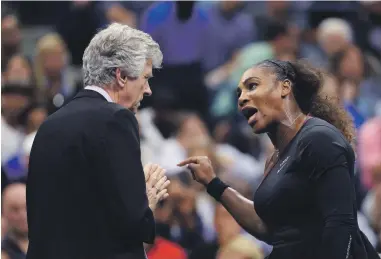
(86,195)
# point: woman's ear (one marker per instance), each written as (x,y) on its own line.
(286,88)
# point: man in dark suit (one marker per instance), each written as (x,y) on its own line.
(87,189)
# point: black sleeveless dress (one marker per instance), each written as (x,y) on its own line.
(308,200)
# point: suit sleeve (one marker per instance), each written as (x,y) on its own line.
(122,180)
(326,158)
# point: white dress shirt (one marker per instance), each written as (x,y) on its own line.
(100,91)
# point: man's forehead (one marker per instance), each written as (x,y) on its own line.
(148,73)
(148,69)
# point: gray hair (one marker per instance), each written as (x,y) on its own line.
(118,46)
(335,26)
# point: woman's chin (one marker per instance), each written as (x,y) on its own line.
(258,129)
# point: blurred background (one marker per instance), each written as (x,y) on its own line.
(206,47)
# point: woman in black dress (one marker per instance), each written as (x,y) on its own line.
(305,206)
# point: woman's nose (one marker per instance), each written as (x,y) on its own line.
(242,100)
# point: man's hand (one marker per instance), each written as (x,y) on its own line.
(156,184)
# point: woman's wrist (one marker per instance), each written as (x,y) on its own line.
(216,188)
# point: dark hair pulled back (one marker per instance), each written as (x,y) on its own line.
(307,82)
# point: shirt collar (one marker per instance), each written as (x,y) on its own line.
(100,91)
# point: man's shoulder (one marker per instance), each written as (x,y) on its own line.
(82,116)
(88,110)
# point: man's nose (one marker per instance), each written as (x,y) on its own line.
(148,91)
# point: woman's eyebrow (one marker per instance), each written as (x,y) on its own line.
(248,79)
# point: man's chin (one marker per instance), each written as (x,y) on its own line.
(134,109)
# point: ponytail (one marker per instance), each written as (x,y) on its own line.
(326,108)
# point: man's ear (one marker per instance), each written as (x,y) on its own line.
(286,88)
(121,78)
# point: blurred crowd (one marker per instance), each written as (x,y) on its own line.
(206,47)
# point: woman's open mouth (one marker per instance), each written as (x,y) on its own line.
(250,114)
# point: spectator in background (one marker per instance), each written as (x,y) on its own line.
(193,138)
(187,226)
(279,41)
(177,219)
(77,25)
(15,99)
(191,132)
(335,35)
(229,233)
(4,227)
(350,11)
(376,215)
(10,36)
(369,150)
(227,229)
(18,70)
(349,64)
(55,81)
(125,12)
(180,28)
(372,211)
(33,117)
(240,248)
(374,33)
(370,92)
(359,84)
(27,147)
(363,81)
(151,138)
(229,29)
(166,244)
(20,117)
(15,243)
(193,135)
(331,88)
(285,12)
(349,67)
(165,249)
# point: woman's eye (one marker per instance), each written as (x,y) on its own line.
(252,86)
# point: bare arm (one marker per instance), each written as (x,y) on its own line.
(238,206)
(243,211)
